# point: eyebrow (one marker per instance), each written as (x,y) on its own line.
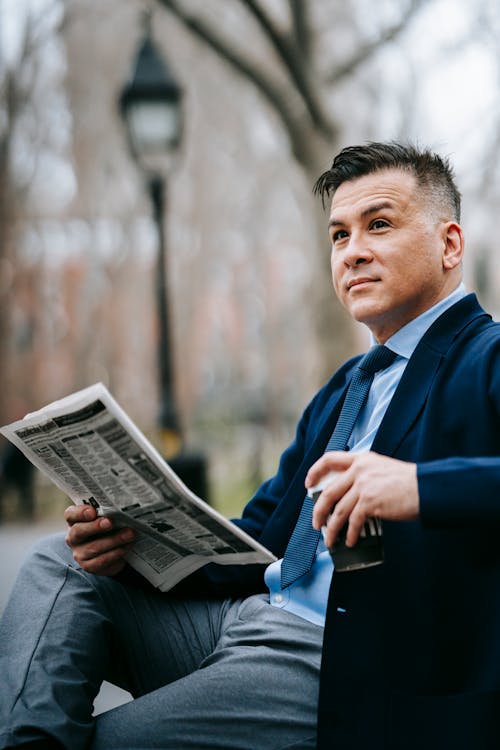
(375,208)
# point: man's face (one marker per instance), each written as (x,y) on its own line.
(389,251)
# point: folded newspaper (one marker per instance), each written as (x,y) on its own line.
(89,448)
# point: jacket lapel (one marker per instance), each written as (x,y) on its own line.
(408,400)
(411,393)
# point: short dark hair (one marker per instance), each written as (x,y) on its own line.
(432,172)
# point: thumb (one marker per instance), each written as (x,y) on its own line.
(333,461)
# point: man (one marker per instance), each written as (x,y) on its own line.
(408,652)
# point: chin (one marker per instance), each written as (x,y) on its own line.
(366,312)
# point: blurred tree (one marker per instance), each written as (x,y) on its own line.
(20,70)
(272,89)
(298,82)
(483,182)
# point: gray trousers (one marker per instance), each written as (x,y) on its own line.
(205,674)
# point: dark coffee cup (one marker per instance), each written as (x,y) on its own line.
(368,550)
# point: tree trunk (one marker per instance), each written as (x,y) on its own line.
(335,332)
(4,283)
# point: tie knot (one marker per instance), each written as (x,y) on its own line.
(378,358)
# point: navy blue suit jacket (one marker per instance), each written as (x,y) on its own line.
(414,662)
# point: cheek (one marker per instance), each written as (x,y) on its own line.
(336,274)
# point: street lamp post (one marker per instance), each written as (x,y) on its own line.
(168,416)
(150,104)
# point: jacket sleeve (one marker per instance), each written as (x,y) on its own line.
(457,492)
(463,489)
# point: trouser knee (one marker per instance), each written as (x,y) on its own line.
(52,547)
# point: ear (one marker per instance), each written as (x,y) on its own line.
(453,245)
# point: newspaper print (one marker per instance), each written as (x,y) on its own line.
(91,450)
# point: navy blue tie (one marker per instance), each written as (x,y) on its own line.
(301,549)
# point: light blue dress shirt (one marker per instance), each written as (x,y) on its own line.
(308,596)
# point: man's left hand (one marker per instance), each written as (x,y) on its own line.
(365,485)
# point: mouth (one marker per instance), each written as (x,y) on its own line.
(359,282)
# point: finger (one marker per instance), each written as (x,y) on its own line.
(79,514)
(94,546)
(357,520)
(331,461)
(108,564)
(80,533)
(331,495)
(339,518)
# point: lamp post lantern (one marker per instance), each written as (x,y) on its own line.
(150,104)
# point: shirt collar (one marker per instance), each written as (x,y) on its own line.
(404,341)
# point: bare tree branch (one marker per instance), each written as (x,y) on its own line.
(364,52)
(271,90)
(295,62)
(301,29)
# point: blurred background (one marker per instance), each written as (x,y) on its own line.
(158,230)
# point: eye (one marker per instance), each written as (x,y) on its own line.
(379,224)
(339,235)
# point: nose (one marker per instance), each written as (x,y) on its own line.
(357,251)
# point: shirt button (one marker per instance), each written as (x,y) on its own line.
(278,598)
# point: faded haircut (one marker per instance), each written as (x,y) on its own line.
(433,173)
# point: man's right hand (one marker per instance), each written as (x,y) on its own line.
(96,546)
